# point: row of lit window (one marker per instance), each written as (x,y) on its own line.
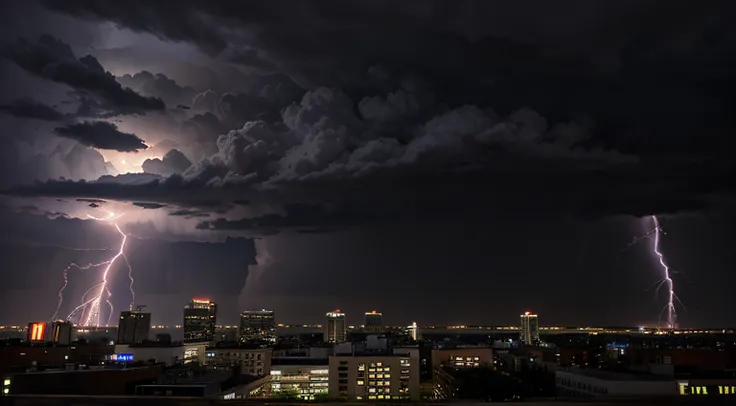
(467,358)
(379,376)
(379,390)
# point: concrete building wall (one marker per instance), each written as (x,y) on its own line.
(374,378)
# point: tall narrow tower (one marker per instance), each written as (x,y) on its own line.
(334,329)
(529,330)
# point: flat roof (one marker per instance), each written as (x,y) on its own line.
(616,376)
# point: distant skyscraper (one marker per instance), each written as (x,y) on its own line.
(334,329)
(257,325)
(413,331)
(529,331)
(199,320)
(373,321)
(133,327)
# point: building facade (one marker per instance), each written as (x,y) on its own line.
(335,329)
(257,325)
(200,317)
(529,330)
(471,357)
(373,322)
(373,378)
(307,378)
(133,327)
(252,361)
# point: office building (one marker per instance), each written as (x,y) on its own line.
(306,377)
(459,358)
(374,377)
(529,330)
(199,320)
(61,332)
(252,361)
(133,327)
(373,322)
(257,325)
(335,328)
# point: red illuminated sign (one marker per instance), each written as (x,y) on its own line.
(37,331)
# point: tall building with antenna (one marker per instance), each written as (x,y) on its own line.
(529,329)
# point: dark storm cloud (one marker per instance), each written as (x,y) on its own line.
(148,205)
(174,162)
(455,107)
(102,135)
(27,108)
(158,86)
(54,60)
(251,58)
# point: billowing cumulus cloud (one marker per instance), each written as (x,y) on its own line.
(102,135)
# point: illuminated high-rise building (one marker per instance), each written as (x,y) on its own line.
(335,329)
(257,325)
(373,321)
(529,330)
(413,331)
(133,327)
(200,317)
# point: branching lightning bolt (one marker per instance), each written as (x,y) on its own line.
(666,280)
(89,312)
(669,309)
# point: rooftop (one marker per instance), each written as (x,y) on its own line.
(299,361)
(615,376)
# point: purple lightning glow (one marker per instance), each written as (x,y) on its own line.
(89,312)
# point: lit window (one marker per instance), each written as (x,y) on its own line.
(361,367)
(379,364)
(372,397)
(372,376)
(387,376)
(371,390)
(6,382)
(387,369)
(388,396)
(360,382)
(380,396)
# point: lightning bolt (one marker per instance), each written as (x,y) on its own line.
(666,279)
(669,309)
(90,312)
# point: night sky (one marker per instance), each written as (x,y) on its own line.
(442,162)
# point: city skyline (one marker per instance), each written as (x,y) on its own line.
(444,164)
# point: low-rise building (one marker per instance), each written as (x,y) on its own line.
(584,382)
(465,357)
(374,377)
(97,381)
(302,377)
(254,361)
